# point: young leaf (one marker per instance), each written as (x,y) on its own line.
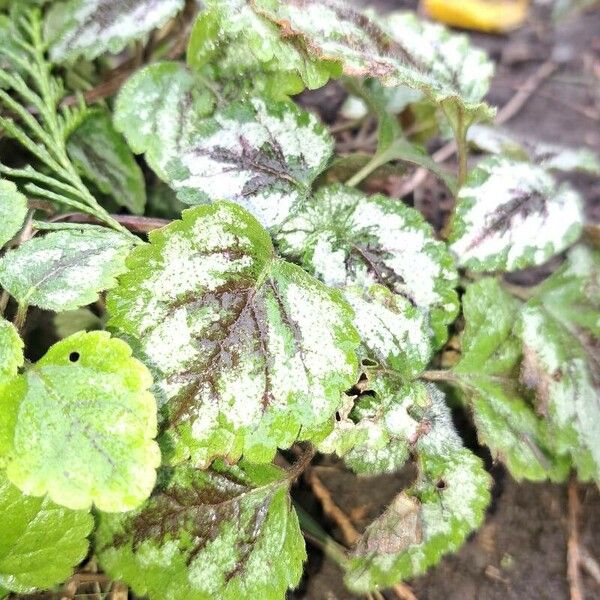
(101,155)
(92,27)
(263,155)
(511,215)
(158,110)
(71,321)
(433,517)
(394,333)
(13,210)
(11,349)
(397,50)
(64,269)
(247,53)
(488,373)
(347,238)
(83,424)
(226,533)
(376,430)
(40,542)
(250,353)
(556,368)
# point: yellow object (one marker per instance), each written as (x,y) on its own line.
(491,16)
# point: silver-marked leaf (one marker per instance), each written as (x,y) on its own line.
(262,155)
(561,158)
(552,157)
(13,210)
(433,517)
(79,425)
(347,238)
(226,533)
(511,215)
(393,331)
(572,294)
(159,108)
(246,53)
(11,349)
(40,542)
(375,430)
(92,27)
(488,373)
(249,352)
(559,328)
(101,155)
(64,269)
(398,50)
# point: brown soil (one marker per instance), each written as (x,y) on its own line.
(520,553)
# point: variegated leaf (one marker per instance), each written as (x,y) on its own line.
(250,353)
(262,155)
(246,53)
(376,429)
(92,27)
(394,332)
(488,373)
(398,50)
(40,542)
(11,349)
(435,516)
(511,215)
(552,157)
(64,269)
(13,210)
(158,110)
(79,424)
(226,533)
(101,156)
(349,239)
(559,329)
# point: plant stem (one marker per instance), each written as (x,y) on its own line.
(20,317)
(462,148)
(439,375)
(317,535)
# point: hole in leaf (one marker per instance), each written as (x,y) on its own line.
(338,418)
(367,362)
(441,484)
(74,356)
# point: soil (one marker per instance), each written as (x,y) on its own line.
(520,552)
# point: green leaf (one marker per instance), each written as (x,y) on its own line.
(101,155)
(572,294)
(158,110)
(13,210)
(560,366)
(71,321)
(488,373)
(393,331)
(80,425)
(511,215)
(263,155)
(226,533)
(347,238)
(245,52)
(433,517)
(11,349)
(65,269)
(375,430)
(40,542)
(398,50)
(249,353)
(92,27)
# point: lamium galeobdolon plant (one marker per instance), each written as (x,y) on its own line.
(197,370)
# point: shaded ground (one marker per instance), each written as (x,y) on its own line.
(520,553)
